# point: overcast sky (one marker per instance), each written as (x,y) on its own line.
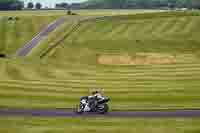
(51,3)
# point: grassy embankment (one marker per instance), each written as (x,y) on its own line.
(58,80)
(17,28)
(15,33)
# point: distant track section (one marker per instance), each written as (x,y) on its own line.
(24,51)
(123,114)
(44,33)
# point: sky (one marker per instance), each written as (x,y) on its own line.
(51,3)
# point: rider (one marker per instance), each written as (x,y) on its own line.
(96,94)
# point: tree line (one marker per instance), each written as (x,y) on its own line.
(107,4)
(31,5)
(11,5)
(17,5)
(134,4)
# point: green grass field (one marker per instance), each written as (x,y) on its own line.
(97,125)
(69,71)
(136,81)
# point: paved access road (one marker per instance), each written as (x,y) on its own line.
(123,114)
(44,33)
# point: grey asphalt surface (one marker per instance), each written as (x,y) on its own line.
(121,114)
(44,33)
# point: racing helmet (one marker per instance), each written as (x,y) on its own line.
(96,91)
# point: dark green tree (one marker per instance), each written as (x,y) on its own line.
(195,4)
(38,5)
(11,5)
(62,5)
(30,5)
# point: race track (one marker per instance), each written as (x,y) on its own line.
(37,39)
(123,114)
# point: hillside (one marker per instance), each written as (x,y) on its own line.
(17,29)
(143,61)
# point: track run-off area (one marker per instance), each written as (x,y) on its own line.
(190,113)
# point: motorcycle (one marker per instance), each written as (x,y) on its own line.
(93,104)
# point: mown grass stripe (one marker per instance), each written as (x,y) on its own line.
(133,70)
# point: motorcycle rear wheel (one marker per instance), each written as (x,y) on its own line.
(104,110)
